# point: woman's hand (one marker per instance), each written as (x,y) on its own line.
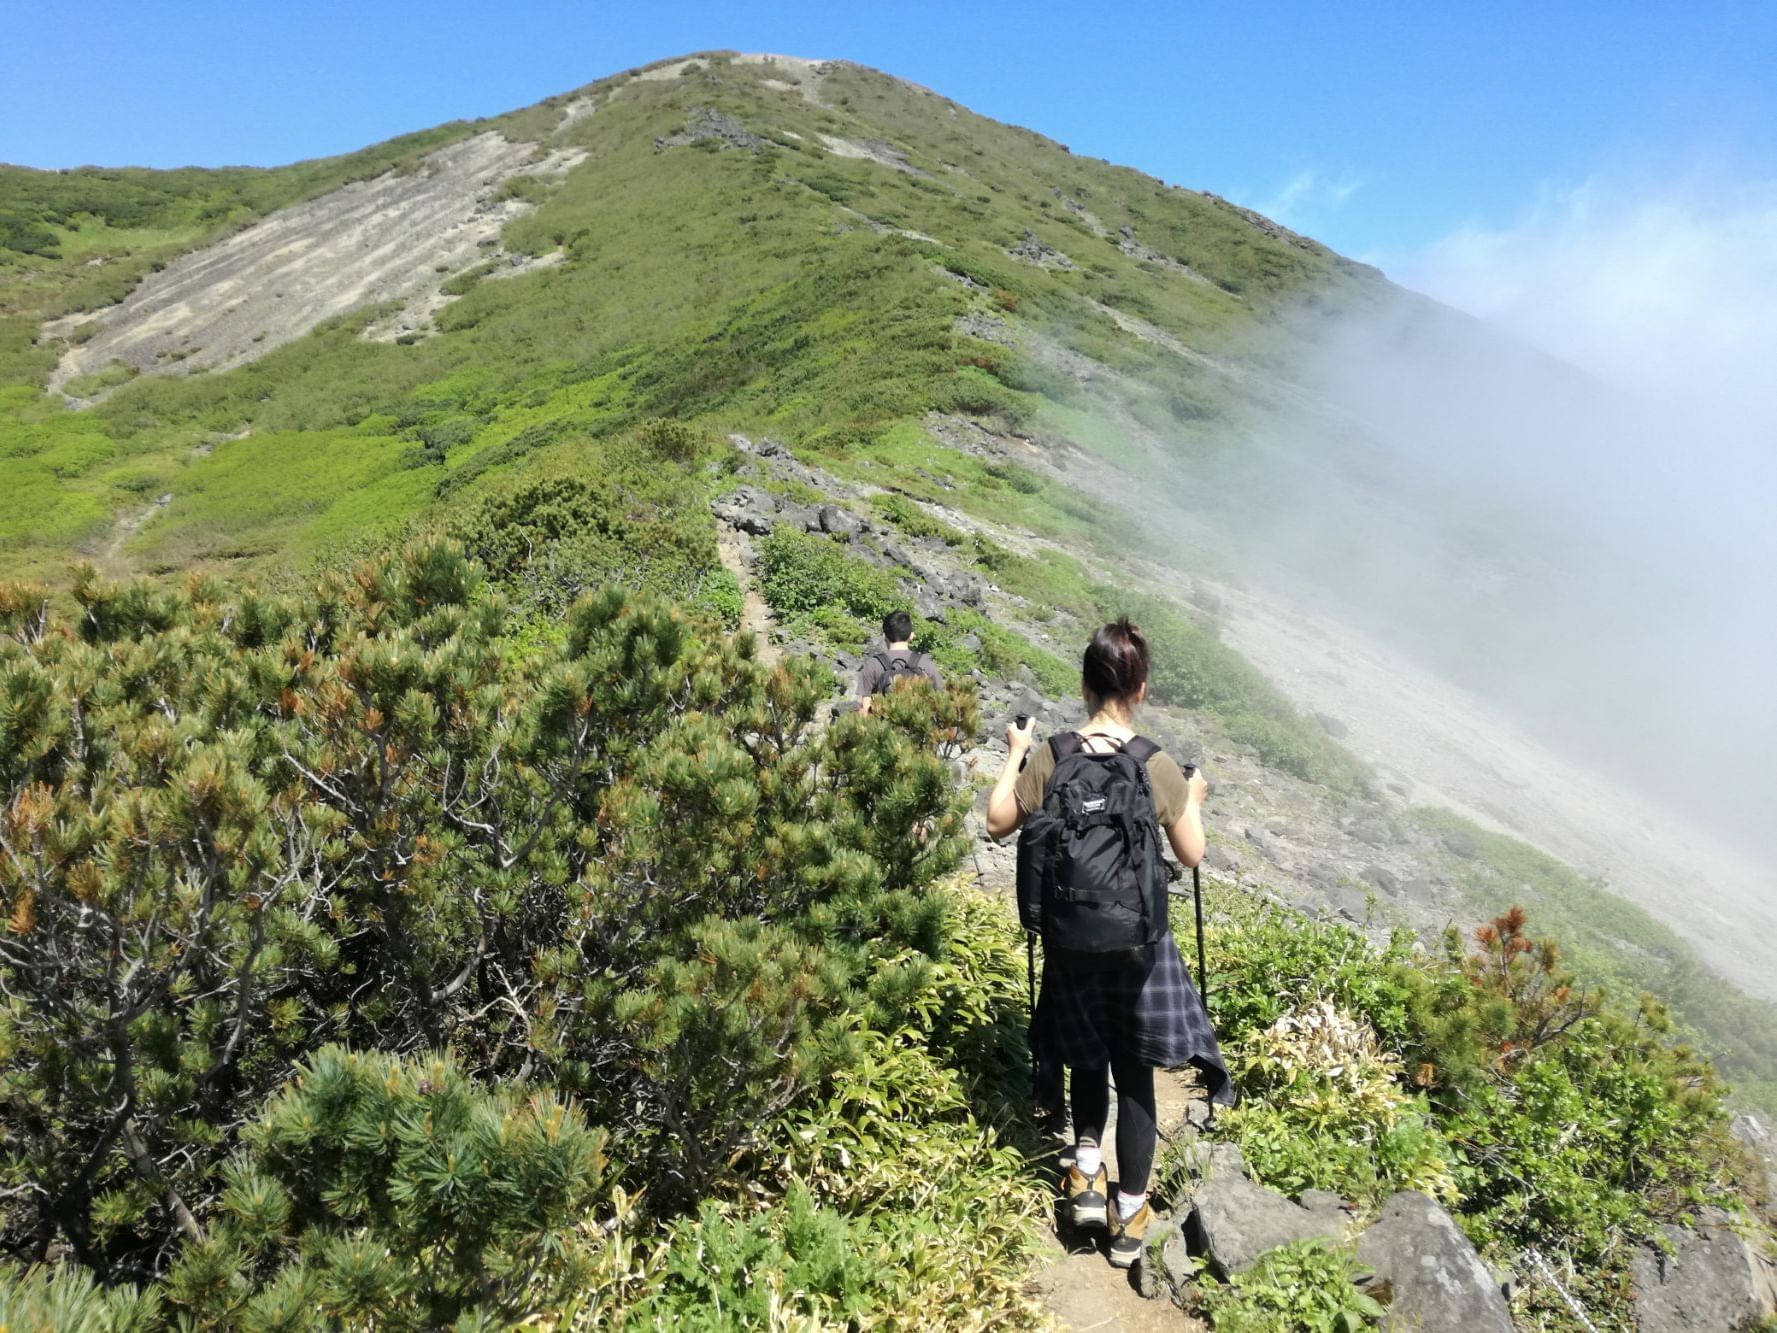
(1003,814)
(1196,785)
(1018,738)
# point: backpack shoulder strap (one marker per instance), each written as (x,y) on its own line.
(1061,745)
(1064,743)
(1141,749)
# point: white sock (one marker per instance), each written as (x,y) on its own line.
(1088,1157)
(1128,1205)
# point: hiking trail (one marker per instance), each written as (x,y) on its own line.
(736,553)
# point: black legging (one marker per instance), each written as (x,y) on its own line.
(1136,1131)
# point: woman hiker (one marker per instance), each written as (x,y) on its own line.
(1128,1012)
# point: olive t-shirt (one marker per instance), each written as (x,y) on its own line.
(1164,775)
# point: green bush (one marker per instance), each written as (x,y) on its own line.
(812,580)
(1308,1285)
(914,521)
(620,862)
(376,1190)
(1544,1114)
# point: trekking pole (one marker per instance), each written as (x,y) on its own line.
(1030,982)
(1202,969)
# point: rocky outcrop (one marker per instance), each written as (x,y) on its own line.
(1033,251)
(707,125)
(1438,1281)
(1234,1221)
(1421,1266)
(758,511)
(1712,1278)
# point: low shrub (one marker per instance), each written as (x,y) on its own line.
(1544,1115)
(1308,1285)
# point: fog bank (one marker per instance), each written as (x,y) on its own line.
(1564,505)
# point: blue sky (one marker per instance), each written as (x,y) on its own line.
(1598,179)
(1379,128)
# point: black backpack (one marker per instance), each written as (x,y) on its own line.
(896,668)
(1091,878)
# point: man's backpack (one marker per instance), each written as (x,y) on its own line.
(1091,878)
(896,667)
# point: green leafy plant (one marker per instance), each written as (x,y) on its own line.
(1308,1285)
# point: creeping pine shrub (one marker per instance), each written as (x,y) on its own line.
(621,868)
(375,1190)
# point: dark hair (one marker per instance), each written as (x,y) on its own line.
(897,627)
(1116,662)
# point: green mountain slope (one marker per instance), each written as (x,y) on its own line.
(790,284)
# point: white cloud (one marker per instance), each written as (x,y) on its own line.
(1306,197)
(1666,288)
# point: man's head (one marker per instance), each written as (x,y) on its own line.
(897,627)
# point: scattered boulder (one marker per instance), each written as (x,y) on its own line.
(1383,878)
(839,522)
(1167,1269)
(749,509)
(1323,1201)
(988,328)
(1459,843)
(1439,1281)
(1712,1279)
(1033,251)
(1332,726)
(1235,1221)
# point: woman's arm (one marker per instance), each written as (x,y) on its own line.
(1186,832)
(1003,814)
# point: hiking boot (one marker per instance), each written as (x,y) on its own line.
(1085,1202)
(1129,1238)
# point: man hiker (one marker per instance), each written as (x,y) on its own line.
(896,661)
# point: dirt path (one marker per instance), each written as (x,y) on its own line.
(111,558)
(1077,1282)
(735,549)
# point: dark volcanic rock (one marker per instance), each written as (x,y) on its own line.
(1440,1283)
(749,509)
(1033,251)
(709,125)
(1713,1279)
(1236,1221)
(1458,843)
(840,522)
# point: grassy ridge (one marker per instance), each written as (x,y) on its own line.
(750,288)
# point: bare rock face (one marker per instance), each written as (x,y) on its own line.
(387,239)
(1236,1221)
(1713,1279)
(1439,1281)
